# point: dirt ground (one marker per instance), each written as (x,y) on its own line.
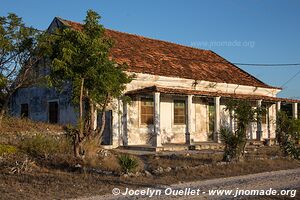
(48,183)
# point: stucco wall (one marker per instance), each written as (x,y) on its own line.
(37,99)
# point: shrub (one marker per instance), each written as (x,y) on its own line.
(127,163)
(288,134)
(7,149)
(235,142)
(232,144)
(43,145)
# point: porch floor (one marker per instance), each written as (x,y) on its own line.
(176,147)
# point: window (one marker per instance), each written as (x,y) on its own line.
(264,115)
(147,111)
(53,112)
(179,112)
(24,110)
(264,118)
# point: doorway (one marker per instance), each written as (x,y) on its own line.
(53,112)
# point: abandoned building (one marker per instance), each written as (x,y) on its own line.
(178,95)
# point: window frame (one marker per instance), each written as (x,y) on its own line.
(184,112)
(141,100)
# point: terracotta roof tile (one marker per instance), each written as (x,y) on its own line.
(156,57)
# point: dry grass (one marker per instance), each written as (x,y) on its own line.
(18,125)
(55,175)
(179,160)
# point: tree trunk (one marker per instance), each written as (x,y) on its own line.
(101,130)
(76,146)
(81,125)
(92,113)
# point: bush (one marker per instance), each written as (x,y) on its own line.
(233,144)
(288,134)
(43,146)
(127,163)
(7,149)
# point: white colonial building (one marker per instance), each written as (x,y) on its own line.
(178,95)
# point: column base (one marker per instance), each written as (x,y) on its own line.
(187,138)
(157,141)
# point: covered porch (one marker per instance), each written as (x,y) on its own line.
(263,129)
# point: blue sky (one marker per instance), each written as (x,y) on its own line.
(245,31)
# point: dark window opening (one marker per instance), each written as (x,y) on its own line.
(53,112)
(287,108)
(24,110)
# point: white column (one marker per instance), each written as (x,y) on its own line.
(268,121)
(120,116)
(124,124)
(259,121)
(189,103)
(295,110)
(157,135)
(278,106)
(232,128)
(217,119)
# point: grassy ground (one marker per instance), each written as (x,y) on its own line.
(27,174)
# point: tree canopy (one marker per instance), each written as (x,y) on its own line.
(82,58)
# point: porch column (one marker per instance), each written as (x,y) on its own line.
(217,119)
(268,122)
(189,102)
(232,128)
(259,121)
(295,110)
(278,106)
(120,130)
(124,124)
(157,136)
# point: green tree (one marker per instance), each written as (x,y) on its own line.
(235,142)
(18,56)
(82,58)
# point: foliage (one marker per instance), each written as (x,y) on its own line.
(81,58)
(7,149)
(235,142)
(17,56)
(43,145)
(127,163)
(288,135)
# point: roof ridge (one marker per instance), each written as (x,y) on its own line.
(141,36)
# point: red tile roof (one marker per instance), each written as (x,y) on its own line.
(166,90)
(156,57)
